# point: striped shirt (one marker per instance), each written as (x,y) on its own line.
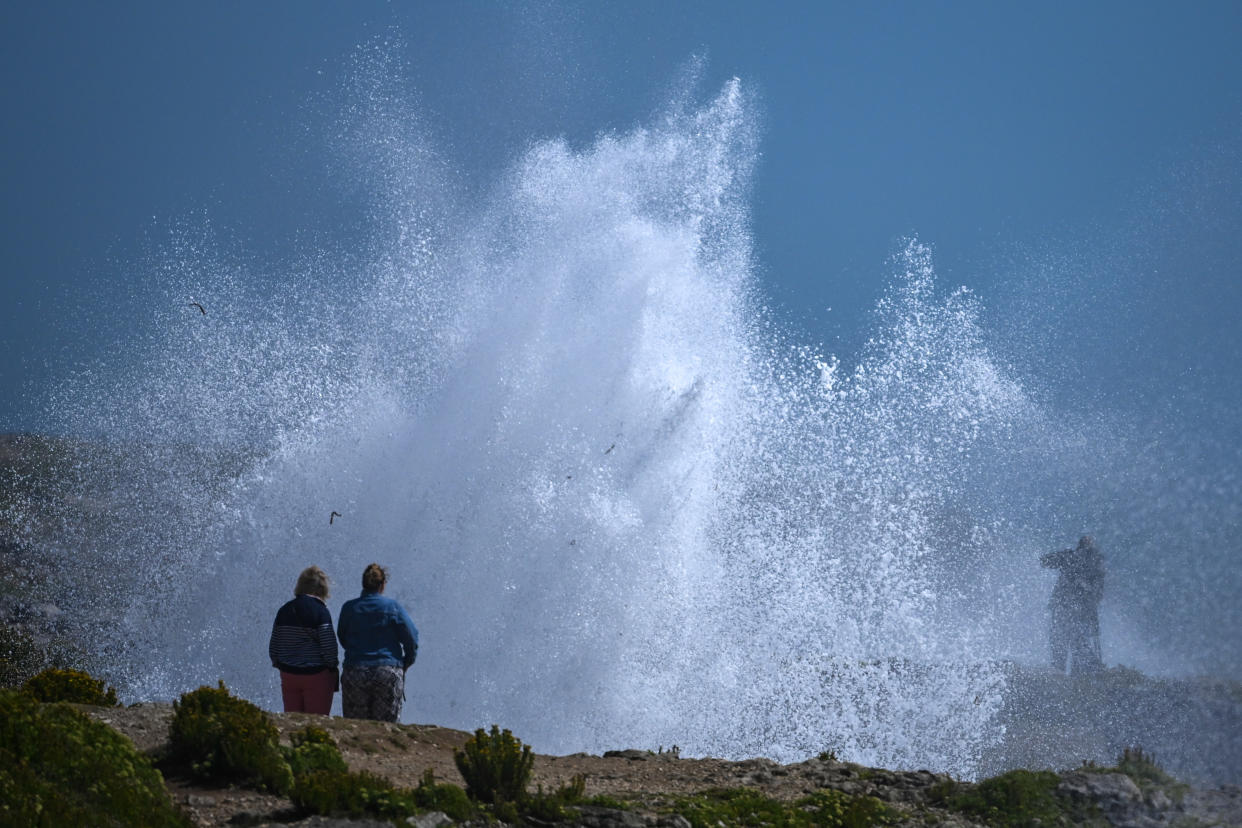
(302,639)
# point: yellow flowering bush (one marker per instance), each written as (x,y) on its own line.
(72,686)
(216,736)
(60,767)
(496,766)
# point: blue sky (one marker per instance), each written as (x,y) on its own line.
(1090,150)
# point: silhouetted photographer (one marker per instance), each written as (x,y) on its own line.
(1074,637)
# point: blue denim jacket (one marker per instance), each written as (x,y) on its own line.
(375,630)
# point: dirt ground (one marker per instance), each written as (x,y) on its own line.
(403,753)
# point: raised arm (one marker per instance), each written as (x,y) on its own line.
(1057,560)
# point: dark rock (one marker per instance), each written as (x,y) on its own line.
(1056,721)
(629,754)
(1119,799)
(1108,790)
(329,822)
(671,821)
(1159,800)
(593,817)
(434,819)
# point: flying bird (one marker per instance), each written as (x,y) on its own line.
(610,448)
(332,517)
(200,308)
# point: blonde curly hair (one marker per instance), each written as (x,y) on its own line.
(312,581)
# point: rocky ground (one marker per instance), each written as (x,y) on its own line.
(402,753)
(1193,726)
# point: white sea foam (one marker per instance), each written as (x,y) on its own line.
(622,508)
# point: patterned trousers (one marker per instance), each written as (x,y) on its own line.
(372,692)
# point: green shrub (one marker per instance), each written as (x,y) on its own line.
(59,767)
(221,738)
(553,807)
(1142,768)
(506,812)
(447,798)
(573,790)
(731,806)
(746,807)
(496,766)
(606,801)
(1145,772)
(942,792)
(1014,799)
(313,749)
(835,808)
(345,793)
(73,686)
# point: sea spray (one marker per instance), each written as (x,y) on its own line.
(621,506)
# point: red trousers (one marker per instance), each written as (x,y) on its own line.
(308,694)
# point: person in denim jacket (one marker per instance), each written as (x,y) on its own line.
(381,642)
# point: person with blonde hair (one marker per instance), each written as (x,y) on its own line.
(381,642)
(303,647)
